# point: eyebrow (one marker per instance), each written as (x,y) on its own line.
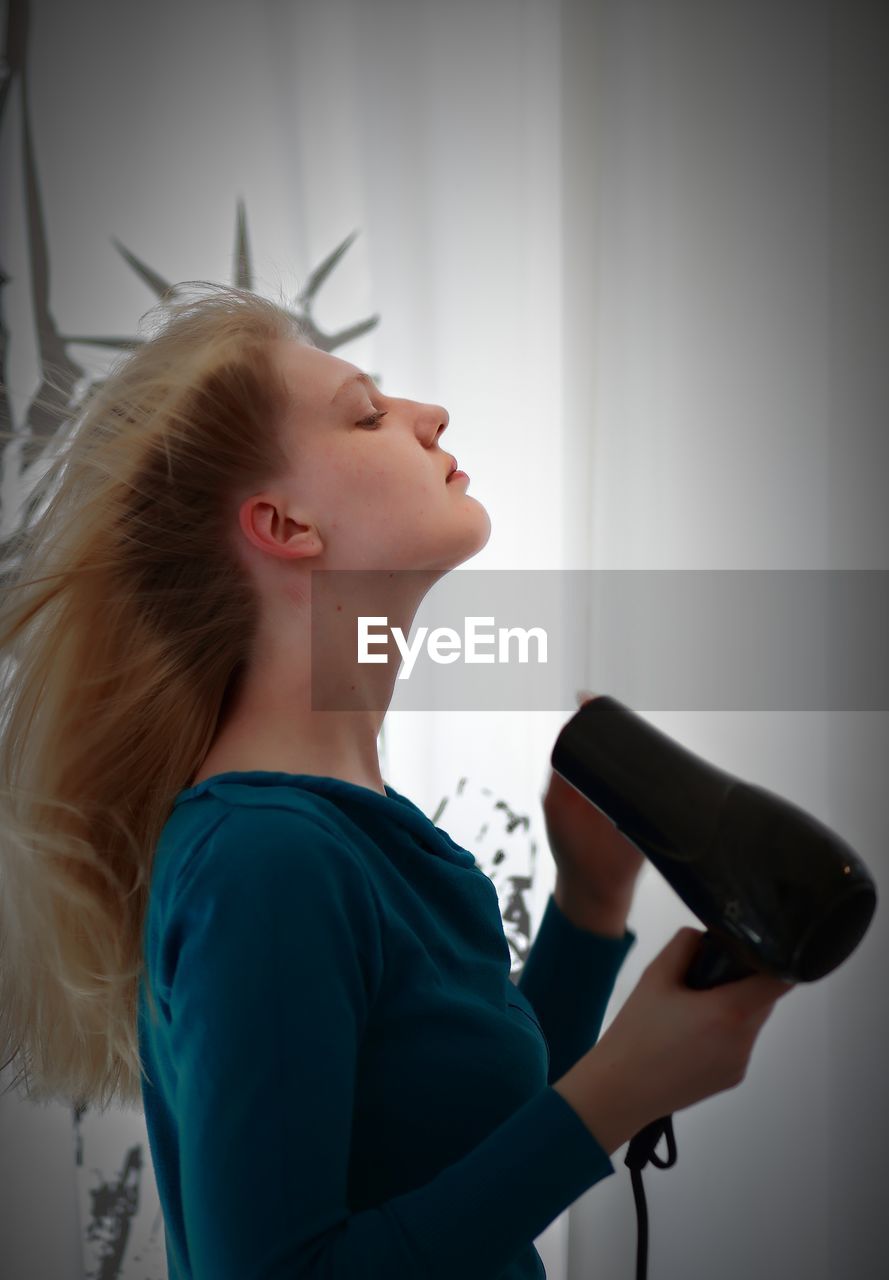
(356,377)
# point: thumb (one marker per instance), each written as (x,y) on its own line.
(751,995)
(671,964)
(583,696)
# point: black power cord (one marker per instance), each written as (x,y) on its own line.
(712,965)
(639,1152)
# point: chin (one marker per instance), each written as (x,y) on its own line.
(473,539)
(460,545)
(484,529)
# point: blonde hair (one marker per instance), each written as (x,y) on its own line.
(122,628)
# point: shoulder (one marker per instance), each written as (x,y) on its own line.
(262,849)
(265,891)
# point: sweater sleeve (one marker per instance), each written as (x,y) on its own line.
(272,954)
(568,976)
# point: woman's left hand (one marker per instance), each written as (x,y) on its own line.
(596,864)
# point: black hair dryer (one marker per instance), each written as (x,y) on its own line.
(777,891)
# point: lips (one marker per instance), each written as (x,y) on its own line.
(452,468)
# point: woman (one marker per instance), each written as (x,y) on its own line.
(213,905)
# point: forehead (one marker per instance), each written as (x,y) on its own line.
(312,376)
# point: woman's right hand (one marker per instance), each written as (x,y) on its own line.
(669,1046)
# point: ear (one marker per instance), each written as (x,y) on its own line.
(273,525)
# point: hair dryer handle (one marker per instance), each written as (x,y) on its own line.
(714,964)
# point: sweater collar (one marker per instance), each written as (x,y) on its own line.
(392,807)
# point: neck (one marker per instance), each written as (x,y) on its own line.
(304,703)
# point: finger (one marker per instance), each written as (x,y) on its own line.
(674,959)
(584,696)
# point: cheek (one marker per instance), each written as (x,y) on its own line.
(393,482)
(367,495)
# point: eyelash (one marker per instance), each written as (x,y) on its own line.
(372,420)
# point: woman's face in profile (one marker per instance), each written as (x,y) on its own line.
(369,471)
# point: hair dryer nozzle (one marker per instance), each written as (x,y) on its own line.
(784,893)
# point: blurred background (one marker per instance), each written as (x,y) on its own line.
(638,249)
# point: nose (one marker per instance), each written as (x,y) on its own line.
(441,417)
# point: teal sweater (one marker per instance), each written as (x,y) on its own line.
(343,1081)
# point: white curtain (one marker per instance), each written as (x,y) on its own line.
(611,238)
(725,295)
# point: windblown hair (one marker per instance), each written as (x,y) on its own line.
(124,623)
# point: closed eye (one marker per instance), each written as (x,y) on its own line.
(373,418)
